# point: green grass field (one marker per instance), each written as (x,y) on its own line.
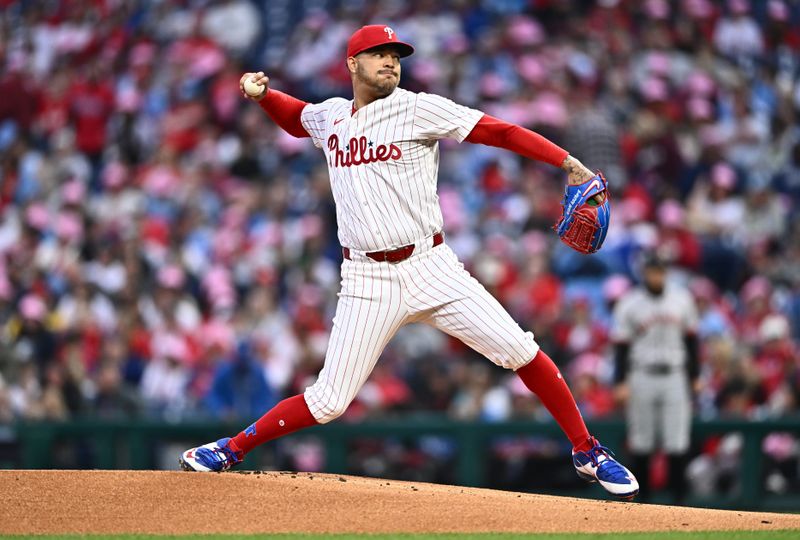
(717,535)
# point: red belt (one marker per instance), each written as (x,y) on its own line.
(394,255)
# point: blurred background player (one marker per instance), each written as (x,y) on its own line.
(657,369)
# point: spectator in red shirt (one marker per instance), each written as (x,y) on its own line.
(91,105)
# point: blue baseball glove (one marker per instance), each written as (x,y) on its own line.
(585,215)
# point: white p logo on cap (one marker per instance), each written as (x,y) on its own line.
(389,31)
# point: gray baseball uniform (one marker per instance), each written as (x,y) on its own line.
(659,404)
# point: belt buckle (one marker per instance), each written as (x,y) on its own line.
(398,255)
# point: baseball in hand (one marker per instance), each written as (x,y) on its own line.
(252,88)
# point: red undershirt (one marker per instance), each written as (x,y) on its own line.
(285,111)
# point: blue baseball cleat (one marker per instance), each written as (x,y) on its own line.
(598,465)
(212,457)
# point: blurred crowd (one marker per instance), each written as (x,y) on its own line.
(166,251)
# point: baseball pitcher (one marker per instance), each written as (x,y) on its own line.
(383,154)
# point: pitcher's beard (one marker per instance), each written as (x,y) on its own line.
(384,90)
(382,87)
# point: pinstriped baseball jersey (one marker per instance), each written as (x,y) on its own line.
(383,162)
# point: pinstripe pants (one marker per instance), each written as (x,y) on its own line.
(378,298)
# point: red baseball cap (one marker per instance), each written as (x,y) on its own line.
(376,35)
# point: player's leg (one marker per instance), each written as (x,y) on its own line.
(676,422)
(369,312)
(642,424)
(456,303)
(460,306)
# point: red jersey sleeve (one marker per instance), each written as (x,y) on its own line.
(492,131)
(285,111)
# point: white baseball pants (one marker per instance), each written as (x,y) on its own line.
(378,298)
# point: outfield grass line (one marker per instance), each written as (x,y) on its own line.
(670,535)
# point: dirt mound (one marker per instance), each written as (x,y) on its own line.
(50,502)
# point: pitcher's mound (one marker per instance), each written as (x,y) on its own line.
(52,502)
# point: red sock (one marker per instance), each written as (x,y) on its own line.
(286,417)
(542,377)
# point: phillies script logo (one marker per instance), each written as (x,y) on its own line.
(360,152)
